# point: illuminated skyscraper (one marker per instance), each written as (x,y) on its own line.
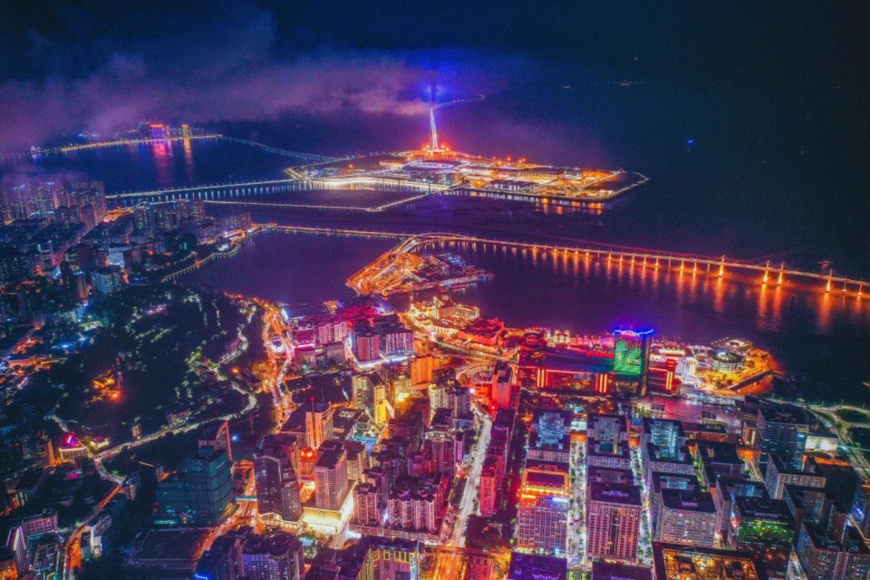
(631,352)
(277,556)
(613,521)
(330,476)
(318,424)
(277,485)
(543,510)
(502,385)
(389,559)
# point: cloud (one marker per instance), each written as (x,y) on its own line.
(226,71)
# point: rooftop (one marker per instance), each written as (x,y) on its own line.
(738,487)
(615,493)
(761,508)
(715,452)
(662,481)
(675,562)
(609,571)
(533,567)
(331,453)
(689,500)
(786,414)
(276,544)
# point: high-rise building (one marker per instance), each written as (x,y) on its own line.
(75,282)
(107,280)
(550,438)
(277,556)
(860,509)
(778,474)
(782,431)
(661,482)
(318,423)
(396,339)
(459,400)
(365,342)
(609,430)
(413,507)
(437,398)
(13,553)
(663,448)
(390,559)
(763,526)
(366,505)
(330,476)
(542,519)
(502,385)
(423,369)
(223,560)
(687,517)
(725,492)
(491,480)
(631,351)
(442,446)
(826,557)
(200,493)
(158,131)
(718,458)
(277,484)
(610,571)
(607,442)
(678,562)
(364,392)
(383,406)
(613,521)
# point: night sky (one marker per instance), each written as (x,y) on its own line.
(97,64)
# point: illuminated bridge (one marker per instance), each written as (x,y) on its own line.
(226,192)
(769,274)
(207,192)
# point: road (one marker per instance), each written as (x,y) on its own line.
(451,564)
(472,484)
(577,514)
(828,415)
(72,553)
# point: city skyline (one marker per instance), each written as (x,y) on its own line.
(463,291)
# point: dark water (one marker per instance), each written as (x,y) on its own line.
(161,165)
(297,270)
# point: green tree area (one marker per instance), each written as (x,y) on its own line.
(157,349)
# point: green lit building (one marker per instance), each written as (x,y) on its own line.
(631,350)
(763,526)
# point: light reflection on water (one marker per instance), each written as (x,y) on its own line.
(681,285)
